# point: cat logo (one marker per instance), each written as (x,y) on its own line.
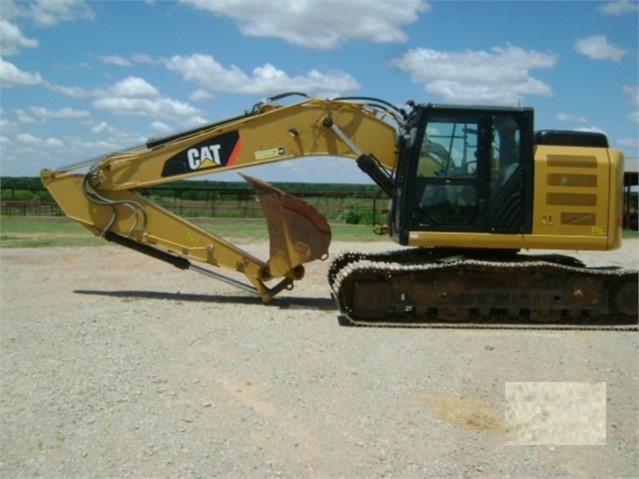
(204,157)
(217,152)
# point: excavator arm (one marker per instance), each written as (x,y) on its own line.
(104,199)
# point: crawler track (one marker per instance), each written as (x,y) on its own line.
(455,288)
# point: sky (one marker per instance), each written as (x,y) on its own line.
(80,79)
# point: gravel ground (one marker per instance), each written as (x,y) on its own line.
(116,365)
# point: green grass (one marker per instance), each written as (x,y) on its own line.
(242,229)
(39,225)
(37,232)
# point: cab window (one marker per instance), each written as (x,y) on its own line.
(447,194)
(449,149)
(506,152)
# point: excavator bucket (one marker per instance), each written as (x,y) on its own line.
(298,233)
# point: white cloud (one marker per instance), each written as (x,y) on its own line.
(111,138)
(143,58)
(320,24)
(73,91)
(619,7)
(630,143)
(132,87)
(161,127)
(45,113)
(24,117)
(500,76)
(102,127)
(201,95)
(195,121)
(10,9)
(11,76)
(19,150)
(135,96)
(131,96)
(202,68)
(28,139)
(597,47)
(590,129)
(571,118)
(48,13)
(115,60)
(263,79)
(12,40)
(53,143)
(159,107)
(268,78)
(633,94)
(633,99)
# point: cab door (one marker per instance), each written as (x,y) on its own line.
(448,173)
(467,170)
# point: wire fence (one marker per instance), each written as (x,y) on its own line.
(334,209)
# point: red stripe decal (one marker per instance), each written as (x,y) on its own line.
(235,152)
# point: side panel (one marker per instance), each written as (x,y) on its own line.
(576,193)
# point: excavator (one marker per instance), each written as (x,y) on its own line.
(471,190)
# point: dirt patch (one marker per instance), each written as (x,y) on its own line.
(466,412)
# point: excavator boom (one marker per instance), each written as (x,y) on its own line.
(105,199)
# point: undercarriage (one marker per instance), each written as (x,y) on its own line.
(450,287)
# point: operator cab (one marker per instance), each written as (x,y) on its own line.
(465,169)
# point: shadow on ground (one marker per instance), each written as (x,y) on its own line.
(292,302)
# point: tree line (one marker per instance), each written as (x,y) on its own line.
(31,188)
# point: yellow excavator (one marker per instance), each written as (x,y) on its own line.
(470,187)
